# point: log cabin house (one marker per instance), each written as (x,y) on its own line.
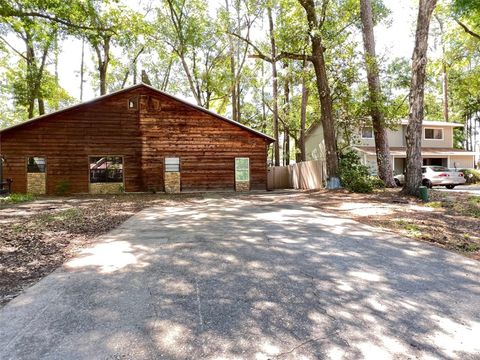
(133,140)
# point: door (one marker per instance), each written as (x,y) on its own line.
(36,175)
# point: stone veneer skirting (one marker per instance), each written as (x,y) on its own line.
(106,188)
(36,183)
(242,186)
(172,182)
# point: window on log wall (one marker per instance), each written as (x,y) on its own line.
(242,169)
(106,169)
(36,165)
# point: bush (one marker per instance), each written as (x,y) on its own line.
(63,187)
(377,183)
(17,198)
(355,176)
(472,176)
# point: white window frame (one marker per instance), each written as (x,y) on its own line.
(361,133)
(433,128)
(247,169)
(168,158)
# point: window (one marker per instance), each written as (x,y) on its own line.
(36,165)
(367,132)
(242,169)
(439,168)
(106,169)
(433,134)
(133,103)
(172,164)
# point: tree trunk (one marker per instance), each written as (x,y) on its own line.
(413,178)
(303,119)
(145,78)
(41,106)
(287,147)
(103,61)
(319,66)
(239,98)
(445,92)
(286,110)
(30,76)
(233,85)
(444,70)
(103,79)
(82,69)
(274,87)
(264,108)
(382,149)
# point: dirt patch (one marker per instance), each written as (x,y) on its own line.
(37,237)
(451,221)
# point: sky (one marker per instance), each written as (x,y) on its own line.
(395,39)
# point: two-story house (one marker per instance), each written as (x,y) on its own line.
(437,146)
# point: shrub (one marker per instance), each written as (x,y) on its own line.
(472,176)
(355,176)
(63,187)
(377,183)
(17,198)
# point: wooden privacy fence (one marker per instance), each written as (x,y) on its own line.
(307,175)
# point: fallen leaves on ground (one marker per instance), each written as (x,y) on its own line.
(41,236)
(450,220)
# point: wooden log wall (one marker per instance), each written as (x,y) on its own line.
(207,146)
(67,139)
(160,126)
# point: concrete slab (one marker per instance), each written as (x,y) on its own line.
(254,277)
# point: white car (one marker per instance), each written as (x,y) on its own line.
(437,176)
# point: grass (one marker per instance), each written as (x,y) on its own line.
(434,204)
(69,215)
(469,207)
(474,200)
(17,198)
(412,229)
(469,247)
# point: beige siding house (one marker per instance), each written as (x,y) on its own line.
(437,146)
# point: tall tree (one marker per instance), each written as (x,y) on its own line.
(470,10)
(315,23)
(382,149)
(239,18)
(273,55)
(185,26)
(38,37)
(444,69)
(303,117)
(413,178)
(107,26)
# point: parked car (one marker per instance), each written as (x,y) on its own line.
(436,176)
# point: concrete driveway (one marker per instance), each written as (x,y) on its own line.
(252,277)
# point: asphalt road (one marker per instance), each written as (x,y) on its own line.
(258,277)
(471,189)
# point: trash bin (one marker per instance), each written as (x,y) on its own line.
(333,183)
(423,193)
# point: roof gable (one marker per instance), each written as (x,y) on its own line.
(100,98)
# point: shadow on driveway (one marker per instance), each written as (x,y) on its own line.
(254,277)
